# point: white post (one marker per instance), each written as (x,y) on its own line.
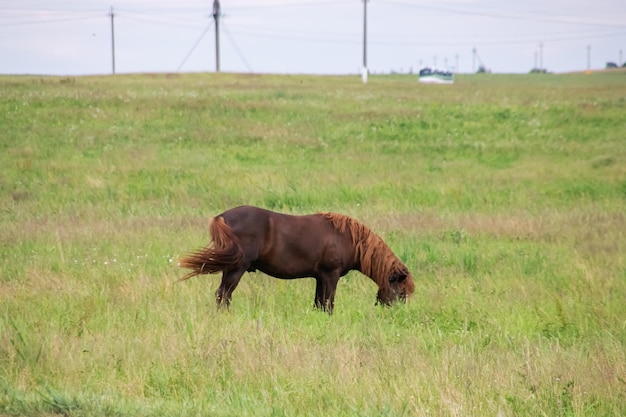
(364,71)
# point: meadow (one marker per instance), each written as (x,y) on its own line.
(504,194)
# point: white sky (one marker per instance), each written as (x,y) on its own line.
(73,37)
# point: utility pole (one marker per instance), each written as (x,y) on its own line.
(112,15)
(588,58)
(474,60)
(364,70)
(541,57)
(216,16)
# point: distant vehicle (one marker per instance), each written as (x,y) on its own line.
(435,76)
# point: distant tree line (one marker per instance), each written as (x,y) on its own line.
(609,65)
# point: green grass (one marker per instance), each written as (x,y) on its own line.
(505,196)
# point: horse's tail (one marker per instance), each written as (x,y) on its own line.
(222,254)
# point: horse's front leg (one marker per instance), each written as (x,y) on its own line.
(325,289)
(319,294)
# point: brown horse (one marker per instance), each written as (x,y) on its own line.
(324,246)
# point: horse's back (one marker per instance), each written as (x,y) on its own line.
(276,229)
(246,220)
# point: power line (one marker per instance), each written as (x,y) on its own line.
(236,48)
(496,14)
(345,38)
(41,21)
(288,5)
(178,23)
(454,40)
(195,45)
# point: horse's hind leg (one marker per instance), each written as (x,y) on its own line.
(230,280)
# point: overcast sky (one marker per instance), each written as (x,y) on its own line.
(73,37)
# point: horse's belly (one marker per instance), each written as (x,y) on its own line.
(283,272)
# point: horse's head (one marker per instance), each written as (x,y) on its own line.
(401,286)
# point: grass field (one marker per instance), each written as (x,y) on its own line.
(505,196)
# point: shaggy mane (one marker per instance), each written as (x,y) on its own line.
(375,258)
